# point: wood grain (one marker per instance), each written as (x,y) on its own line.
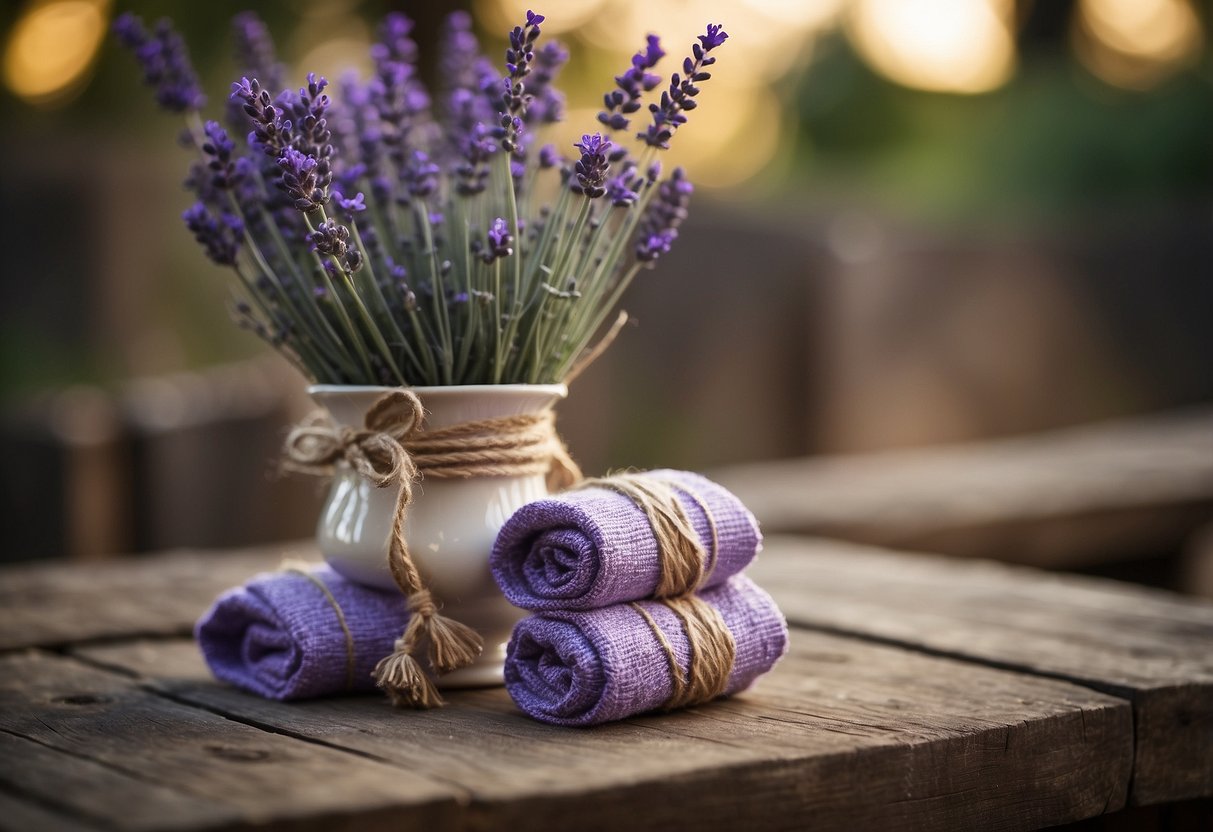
(842,733)
(1151,647)
(108,751)
(51,605)
(1064,499)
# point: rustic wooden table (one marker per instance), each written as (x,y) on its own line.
(918,694)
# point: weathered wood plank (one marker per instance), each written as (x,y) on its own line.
(51,605)
(1062,499)
(844,734)
(18,815)
(111,752)
(1151,647)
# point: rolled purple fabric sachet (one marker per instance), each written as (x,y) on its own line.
(585,668)
(592,547)
(282,636)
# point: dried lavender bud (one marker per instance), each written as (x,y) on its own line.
(220,237)
(500,241)
(312,135)
(631,85)
(330,237)
(303,180)
(218,149)
(591,169)
(665,214)
(420,175)
(165,62)
(621,191)
(669,115)
(353,260)
(472,172)
(271,131)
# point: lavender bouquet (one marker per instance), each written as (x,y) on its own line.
(402,236)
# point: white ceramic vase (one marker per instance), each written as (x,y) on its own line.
(451,524)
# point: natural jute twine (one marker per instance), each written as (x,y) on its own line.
(684,567)
(394,448)
(303,569)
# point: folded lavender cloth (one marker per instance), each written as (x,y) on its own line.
(593,547)
(281,636)
(584,668)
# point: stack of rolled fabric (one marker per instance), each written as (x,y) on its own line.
(639,599)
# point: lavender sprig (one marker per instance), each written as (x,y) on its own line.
(670,114)
(165,62)
(631,86)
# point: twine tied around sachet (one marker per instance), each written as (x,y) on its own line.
(685,565)
(393,447)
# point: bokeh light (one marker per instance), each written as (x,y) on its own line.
(1136,44)
(503,15)
(51,48)
(955,46)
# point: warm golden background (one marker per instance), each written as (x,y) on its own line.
(918,221)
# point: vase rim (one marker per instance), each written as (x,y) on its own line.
(559,390)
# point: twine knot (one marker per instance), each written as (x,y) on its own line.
(394,448)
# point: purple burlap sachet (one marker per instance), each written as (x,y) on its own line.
(592,547)
(581,668)
(283,636)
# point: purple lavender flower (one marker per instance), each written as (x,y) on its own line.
(660,226)
(459,52)
(549,157)
(218,149)
(349,207)
(590,171)
(219,236)
(621,189)
(472,172)
(631,85)
(669,115)
(401,103)
(547,104)
(515,99)
(395,41)
(312,135)
(271,131)
(165,62)
(500,241)
(420,175)
(253,49)
(302,180)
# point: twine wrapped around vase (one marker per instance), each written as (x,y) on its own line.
(394,448)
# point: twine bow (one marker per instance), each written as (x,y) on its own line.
(391,448)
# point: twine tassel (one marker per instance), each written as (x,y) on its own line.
(452,645)
(406,684)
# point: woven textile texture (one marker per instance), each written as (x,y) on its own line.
(588,667)
(279,635)
(593,547)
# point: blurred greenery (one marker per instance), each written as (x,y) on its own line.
(1053,144)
